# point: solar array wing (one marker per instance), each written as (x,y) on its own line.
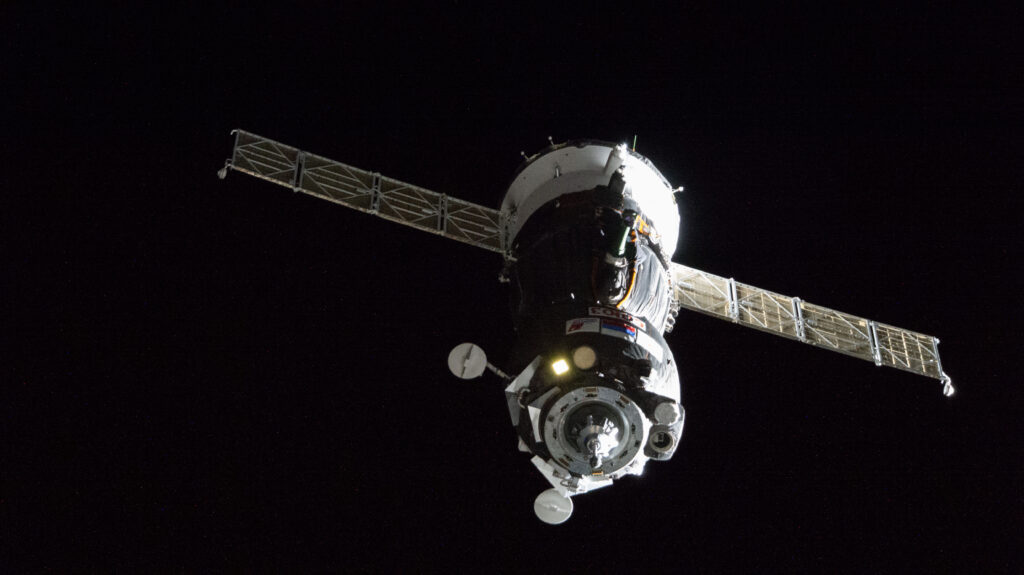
(366,191)
(793,318)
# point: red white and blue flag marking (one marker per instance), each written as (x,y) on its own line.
(618,329)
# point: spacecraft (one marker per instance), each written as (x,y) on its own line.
(587,230)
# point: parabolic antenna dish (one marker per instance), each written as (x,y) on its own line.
(552,507)
(467,361)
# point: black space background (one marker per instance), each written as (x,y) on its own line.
(204,375)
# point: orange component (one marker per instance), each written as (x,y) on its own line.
(632,282)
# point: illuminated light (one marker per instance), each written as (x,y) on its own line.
(584,357)
(560,366)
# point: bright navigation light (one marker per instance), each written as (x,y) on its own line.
(560,366)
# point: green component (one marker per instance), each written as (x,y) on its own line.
(622,242)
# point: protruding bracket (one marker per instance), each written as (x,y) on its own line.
(234,150)
(876,351)
(442,214)
(616,157)
(300,164)
(947,382)
(734,306)
(798,319)
(223,172)
(496,371)
(375,194)
(947,386)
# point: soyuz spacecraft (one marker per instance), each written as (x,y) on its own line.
(587,230)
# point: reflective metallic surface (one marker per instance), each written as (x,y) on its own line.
(793,318)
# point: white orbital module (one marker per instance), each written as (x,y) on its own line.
(584,165)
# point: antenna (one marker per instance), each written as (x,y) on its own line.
(552,507)
(468,361)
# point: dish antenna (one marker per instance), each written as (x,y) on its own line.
(468,361)
(552,507)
